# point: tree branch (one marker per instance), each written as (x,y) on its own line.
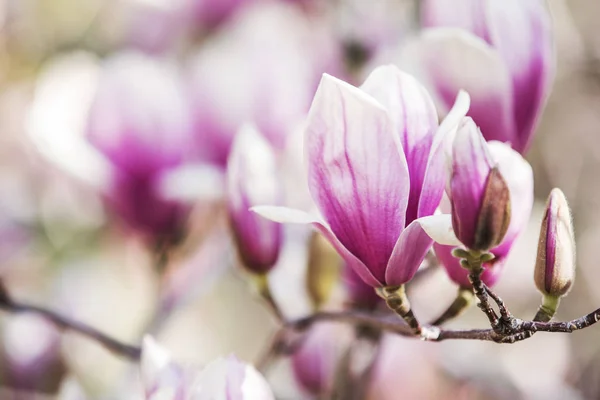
(133,353)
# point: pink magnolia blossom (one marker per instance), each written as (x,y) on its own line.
(501,52)
(253,180)
(375,171)
(473,159)
(263,68)
(225,378)
(315,360)
(140,122)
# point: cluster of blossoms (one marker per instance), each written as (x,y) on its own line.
(387,183)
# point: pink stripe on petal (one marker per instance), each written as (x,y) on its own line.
(435,176)
(288,215)
(414,119)
(471,165)
(358,175)
(454,59)
(522,33)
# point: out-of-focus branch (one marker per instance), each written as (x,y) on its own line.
(130,352)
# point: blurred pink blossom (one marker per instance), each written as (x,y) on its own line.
(223,378)
(262,68)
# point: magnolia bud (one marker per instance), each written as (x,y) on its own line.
(555,264)
(479,195)
(323,270)
(252,180)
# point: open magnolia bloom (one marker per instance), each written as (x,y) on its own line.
(500,51)
(376,172)
(225,378)
(491,195)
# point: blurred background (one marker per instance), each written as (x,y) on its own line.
(116,119)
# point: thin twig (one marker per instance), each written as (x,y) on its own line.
(463,300)
(125,350)
(482,295)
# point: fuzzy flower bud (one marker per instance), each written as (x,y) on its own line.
(518,175)
(479,195)
(252,180)
(555,265)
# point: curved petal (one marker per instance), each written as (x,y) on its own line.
(435,175)
(290,215)
(522,33)
(408,254)
(414,119)
(465,14)
(439,228)
(357,172)
(454,59)
(471,166)
(518,175)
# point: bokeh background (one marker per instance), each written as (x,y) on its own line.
(102,252)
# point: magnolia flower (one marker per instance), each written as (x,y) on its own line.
(223,379)
(314,362)
(252,180)
(500,51)
(375,172)
(555,265)
(140,122)
(281,72)
(479,213)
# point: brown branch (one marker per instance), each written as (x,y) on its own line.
(482,294)
(399,327)
(125,350)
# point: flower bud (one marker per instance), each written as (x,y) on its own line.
(555,264)
(252,180)
(479,195)
(314,363)
(518,174)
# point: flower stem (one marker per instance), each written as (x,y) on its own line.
(396,300)
(261,282)
(130,352)
(463,300)
(547,309)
